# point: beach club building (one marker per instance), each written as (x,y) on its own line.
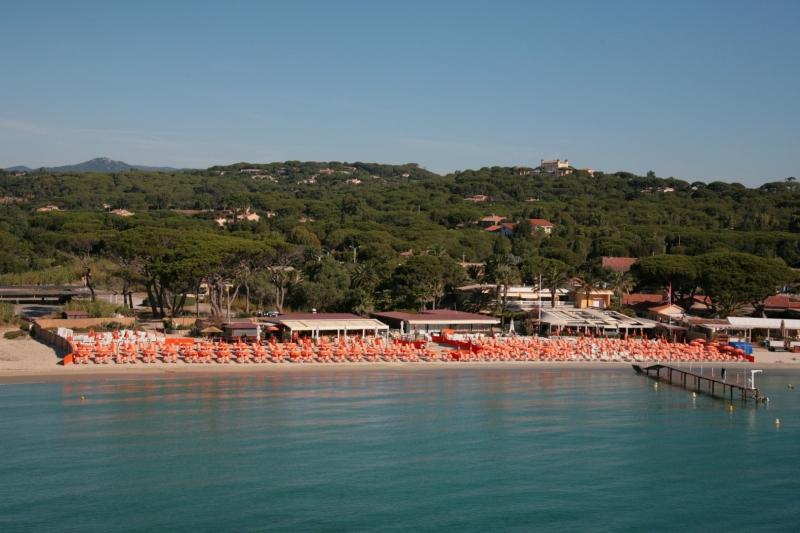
(437,320)
(291,325)
(600,323)
(241,330)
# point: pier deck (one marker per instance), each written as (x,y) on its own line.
(698,383)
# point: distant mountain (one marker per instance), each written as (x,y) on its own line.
(99,164)
(19,168)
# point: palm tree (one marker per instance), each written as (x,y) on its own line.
(622,283)
(364,276)
(504,275)
(555,275)
(477,301)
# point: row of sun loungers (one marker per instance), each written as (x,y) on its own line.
(373,349)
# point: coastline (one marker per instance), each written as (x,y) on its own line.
(28,360)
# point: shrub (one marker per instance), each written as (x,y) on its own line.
(98,309)
(15,334)
(7,315)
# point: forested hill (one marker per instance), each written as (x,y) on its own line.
(404,207)
(362,235)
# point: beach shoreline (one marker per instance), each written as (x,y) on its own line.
(26,360)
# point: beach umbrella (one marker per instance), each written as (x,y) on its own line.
(511,327)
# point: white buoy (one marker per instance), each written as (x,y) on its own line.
(777,421)
(694,395)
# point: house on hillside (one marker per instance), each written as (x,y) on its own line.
(556,167)
(618,264)
(476,198)
(506,229)
(230,217)
(121,212)
(47,208)
(541,224)
(249,216)
(489,221)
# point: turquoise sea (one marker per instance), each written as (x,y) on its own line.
(428,450)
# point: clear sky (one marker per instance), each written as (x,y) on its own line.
(694,89)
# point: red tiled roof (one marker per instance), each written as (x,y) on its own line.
(493,218)
(618,264)
(507,225)
(781,301)
(639,298)
(540,222)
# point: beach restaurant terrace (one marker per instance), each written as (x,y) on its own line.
(316,324)
(593,322)
(770,326)
(437,320)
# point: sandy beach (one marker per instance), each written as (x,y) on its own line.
(28,359)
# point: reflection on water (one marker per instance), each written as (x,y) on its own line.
(472,449)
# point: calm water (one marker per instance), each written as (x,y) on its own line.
(457,450)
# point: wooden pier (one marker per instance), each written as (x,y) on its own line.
(701,384)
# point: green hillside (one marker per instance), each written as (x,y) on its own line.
(317,217)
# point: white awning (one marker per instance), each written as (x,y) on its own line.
(744,322)
(368,324)
(594,319)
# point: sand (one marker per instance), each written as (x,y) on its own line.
(25,360)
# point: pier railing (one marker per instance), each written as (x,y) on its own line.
(698,383)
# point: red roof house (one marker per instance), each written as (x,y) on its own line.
(618,264)
(541,224)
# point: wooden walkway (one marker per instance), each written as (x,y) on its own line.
(698,383)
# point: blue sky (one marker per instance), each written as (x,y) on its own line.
(698,89)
